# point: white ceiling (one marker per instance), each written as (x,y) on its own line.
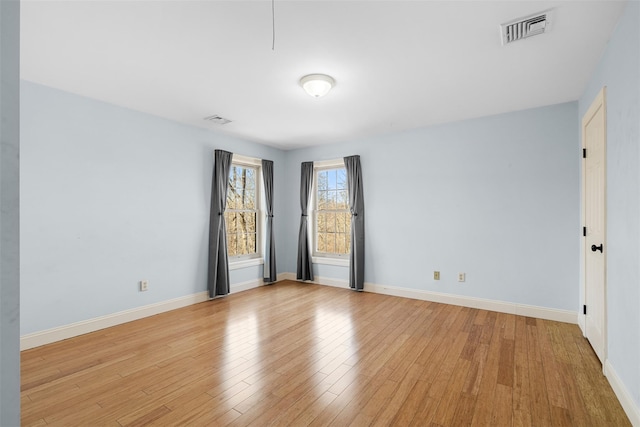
(397,64)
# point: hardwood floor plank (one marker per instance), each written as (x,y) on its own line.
(555,391)
(505,365)
(342,400)
(302,354)
(473,341)
(295,402)
(486,391)
(198,411)
(149,417)
(540,407)
(187,405)
(175,398)
(400,395)
(476,370)
(435,354)
(359,398)
(314,410)
(345,380)
(416,400)
(521,402)
(376,403)
(37,423)
(464,410)
(502,414)
(451,378)
(450,397)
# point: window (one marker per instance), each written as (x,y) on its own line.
(332,219)
(242,211)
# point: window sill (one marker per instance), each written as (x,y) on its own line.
(243,263)
(341,262)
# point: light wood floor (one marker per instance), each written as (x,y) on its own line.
(299,354)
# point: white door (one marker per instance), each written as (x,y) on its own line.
(594,173)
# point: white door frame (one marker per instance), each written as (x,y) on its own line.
(598,102)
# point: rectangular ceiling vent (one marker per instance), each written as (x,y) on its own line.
(525,27)
(217,120)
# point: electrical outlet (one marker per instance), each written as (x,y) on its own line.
(436,275)
(144,285)
(461,277)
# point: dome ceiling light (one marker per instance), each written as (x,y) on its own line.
(317,85)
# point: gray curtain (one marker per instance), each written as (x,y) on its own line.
(218,277)
(356,206)
(270,274)
(305,267)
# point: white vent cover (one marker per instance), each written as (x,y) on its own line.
(526,27)
(217,120)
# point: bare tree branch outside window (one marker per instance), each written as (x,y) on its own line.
(333,220)
(241,214)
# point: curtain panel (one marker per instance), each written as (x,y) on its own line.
(269,274)
(305,266)
(218,272)
(356,207)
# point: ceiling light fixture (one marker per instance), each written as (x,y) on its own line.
(317,85)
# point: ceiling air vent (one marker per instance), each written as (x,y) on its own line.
(217,120)
(525,27)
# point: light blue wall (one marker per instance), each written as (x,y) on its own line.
(496,198)
(9,213)
(111,196)
(619,71)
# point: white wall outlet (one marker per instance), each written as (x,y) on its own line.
(436,275)
(144,285)
(461,277)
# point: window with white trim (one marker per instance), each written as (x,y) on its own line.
(242,214)
(332,218)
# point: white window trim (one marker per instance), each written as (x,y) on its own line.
(320,258)
(243,261)
(245,160)
(338,260)
(328,164)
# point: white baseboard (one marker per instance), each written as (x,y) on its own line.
(581,324)
(630,407)
(481,303)
(286,276)
(245,286)
(566,316)
(336,283)
(49,336)
(327,281)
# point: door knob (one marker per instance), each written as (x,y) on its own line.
(596,248)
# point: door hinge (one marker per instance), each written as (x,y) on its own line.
(584,231)
(584,153)
(584,309)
